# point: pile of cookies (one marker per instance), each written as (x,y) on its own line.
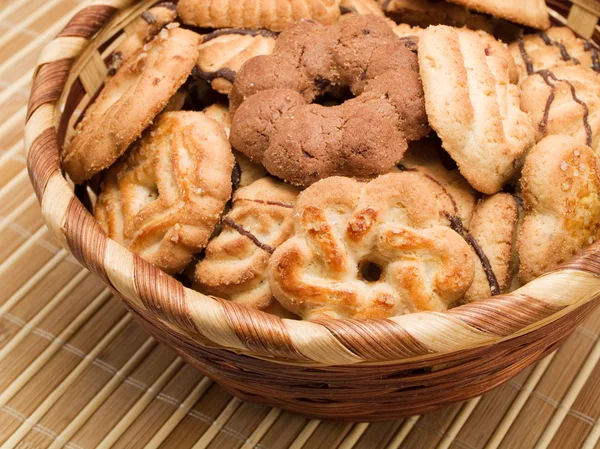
(346,158)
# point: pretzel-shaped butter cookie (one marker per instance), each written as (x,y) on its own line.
(165,198)
(371,250)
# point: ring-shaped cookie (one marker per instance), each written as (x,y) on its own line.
(165,198)
(275,118)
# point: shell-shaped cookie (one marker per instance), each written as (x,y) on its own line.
(129,101)
(564,100)
(371,250)
(476,110)
(561,191)
(235,264)
(223,52)
(141,31)
(252,14)
(165,198)
(558,46)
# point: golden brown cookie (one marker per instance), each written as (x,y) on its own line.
(223,52)
(129,102)
(564,100)
(532,13)
(278,121)
(423,13)
(423,157)
(251,14)
(163,200)
(561,188)
(497,49)
(494,230)
(371,250)
(558,46)
(141,31)
(235,265)
(220,114)
(473,106)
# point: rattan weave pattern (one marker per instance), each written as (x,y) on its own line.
(79,213)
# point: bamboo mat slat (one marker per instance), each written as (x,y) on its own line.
(76,371)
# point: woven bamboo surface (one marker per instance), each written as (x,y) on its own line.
(76,371)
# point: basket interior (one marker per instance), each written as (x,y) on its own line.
(85,81)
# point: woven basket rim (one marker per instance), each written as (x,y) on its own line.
(212,322)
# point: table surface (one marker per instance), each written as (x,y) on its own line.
(76,371)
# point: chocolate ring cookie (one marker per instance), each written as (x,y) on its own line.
(277,122)
(165,198)
(129,101)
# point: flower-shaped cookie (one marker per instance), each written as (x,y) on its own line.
(371,250)
(164,199)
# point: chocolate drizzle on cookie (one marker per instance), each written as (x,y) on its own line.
(564,54)
(526,58)
(589,47)
(547,76)
(239,228)
(224,72)
(226,31)
(457,225)
(148,17)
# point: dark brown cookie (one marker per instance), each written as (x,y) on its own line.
(277,119)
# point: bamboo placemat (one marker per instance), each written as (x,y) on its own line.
(76,371)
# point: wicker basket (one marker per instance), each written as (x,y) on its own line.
(337,369)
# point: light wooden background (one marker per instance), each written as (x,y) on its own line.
(75,370)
